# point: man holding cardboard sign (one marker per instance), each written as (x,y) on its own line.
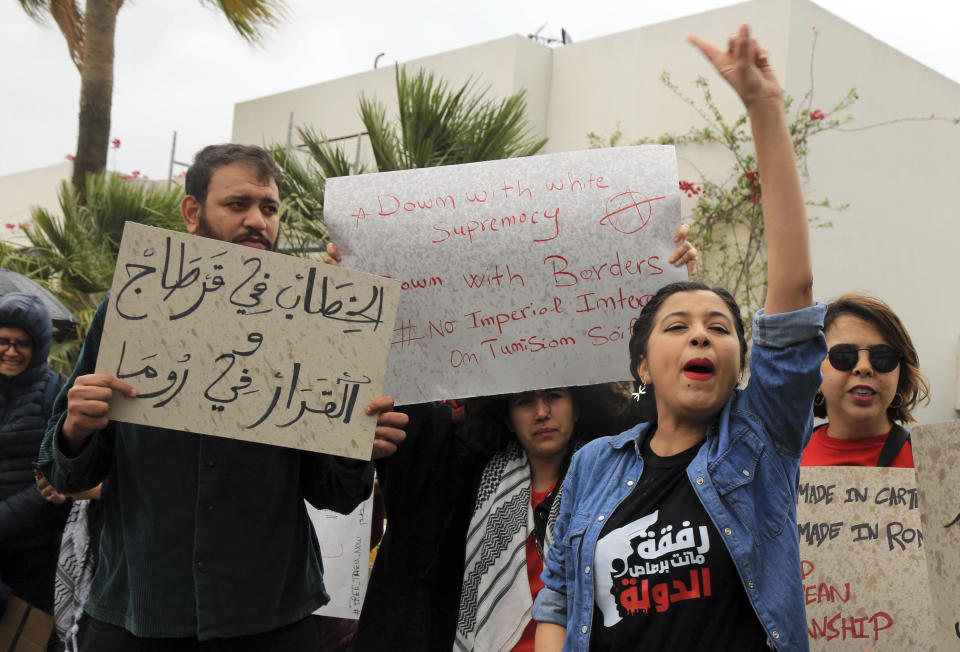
(204,537)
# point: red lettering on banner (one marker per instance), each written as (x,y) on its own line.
(615,268)
(577,184)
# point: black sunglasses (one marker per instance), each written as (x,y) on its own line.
(883,358)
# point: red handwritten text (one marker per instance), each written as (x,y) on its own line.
(496,278)
(532,344)
(576,184)
(590,301)
(391,204)
(419,283)
(564,279)
(479,320)
(470,229)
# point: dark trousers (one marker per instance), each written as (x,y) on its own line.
(300,636)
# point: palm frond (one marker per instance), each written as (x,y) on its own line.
(251,18)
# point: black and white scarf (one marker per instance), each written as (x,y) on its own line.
(495,598)
(75,569)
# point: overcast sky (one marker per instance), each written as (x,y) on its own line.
(179,67)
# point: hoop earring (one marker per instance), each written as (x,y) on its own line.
(819,399)
(897,401)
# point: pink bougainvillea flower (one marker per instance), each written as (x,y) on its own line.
(70,157)
(11,226)
(116,143)
(817,115)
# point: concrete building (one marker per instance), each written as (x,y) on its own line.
(21,191)
(893,164)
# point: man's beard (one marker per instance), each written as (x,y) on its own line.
(206,231)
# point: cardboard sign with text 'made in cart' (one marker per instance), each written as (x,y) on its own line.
(863,560)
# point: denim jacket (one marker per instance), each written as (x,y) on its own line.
(745,474)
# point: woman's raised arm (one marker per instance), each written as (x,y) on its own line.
(789,271)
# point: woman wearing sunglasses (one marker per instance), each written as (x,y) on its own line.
(871,382)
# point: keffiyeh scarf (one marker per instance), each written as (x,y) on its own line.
(495,598)
(74,574)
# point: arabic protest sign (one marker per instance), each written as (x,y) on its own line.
(228,340)
(937,457)
(514,273)
(862,559)
(345,549)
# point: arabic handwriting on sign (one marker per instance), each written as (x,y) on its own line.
(135,272)
(179,281)
(219,395)
(953,522)
(149,373)
(333,308)
(637,596)
(249,304)
(341,409)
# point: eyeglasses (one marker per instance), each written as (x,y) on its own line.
(18,345)
(883,358)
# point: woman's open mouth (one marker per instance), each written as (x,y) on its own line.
(862,394)
(699,369)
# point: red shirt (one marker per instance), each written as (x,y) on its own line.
(824,450)
(534,568)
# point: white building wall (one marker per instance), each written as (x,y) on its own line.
(895,241)
(21,191)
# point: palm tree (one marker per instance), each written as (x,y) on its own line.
(73,254)
(435,125)
(89,33)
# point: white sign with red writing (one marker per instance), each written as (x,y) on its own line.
(516,274)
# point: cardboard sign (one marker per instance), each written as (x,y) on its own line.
(345,548)
(516,274)
(237,342)
(862,560)
(937,458)
(24,628)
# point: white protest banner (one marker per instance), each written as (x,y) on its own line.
(862,560)
(345,549)
(227,340)
(516,274)
(937,456)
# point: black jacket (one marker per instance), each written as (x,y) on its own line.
(429,487)
(26,519)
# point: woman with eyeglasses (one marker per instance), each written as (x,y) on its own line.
(871,382)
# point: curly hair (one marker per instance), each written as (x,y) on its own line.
(912,388)
(484,428)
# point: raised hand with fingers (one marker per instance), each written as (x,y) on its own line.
(745,66)
(685,253)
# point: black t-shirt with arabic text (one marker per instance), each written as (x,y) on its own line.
(663,578)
